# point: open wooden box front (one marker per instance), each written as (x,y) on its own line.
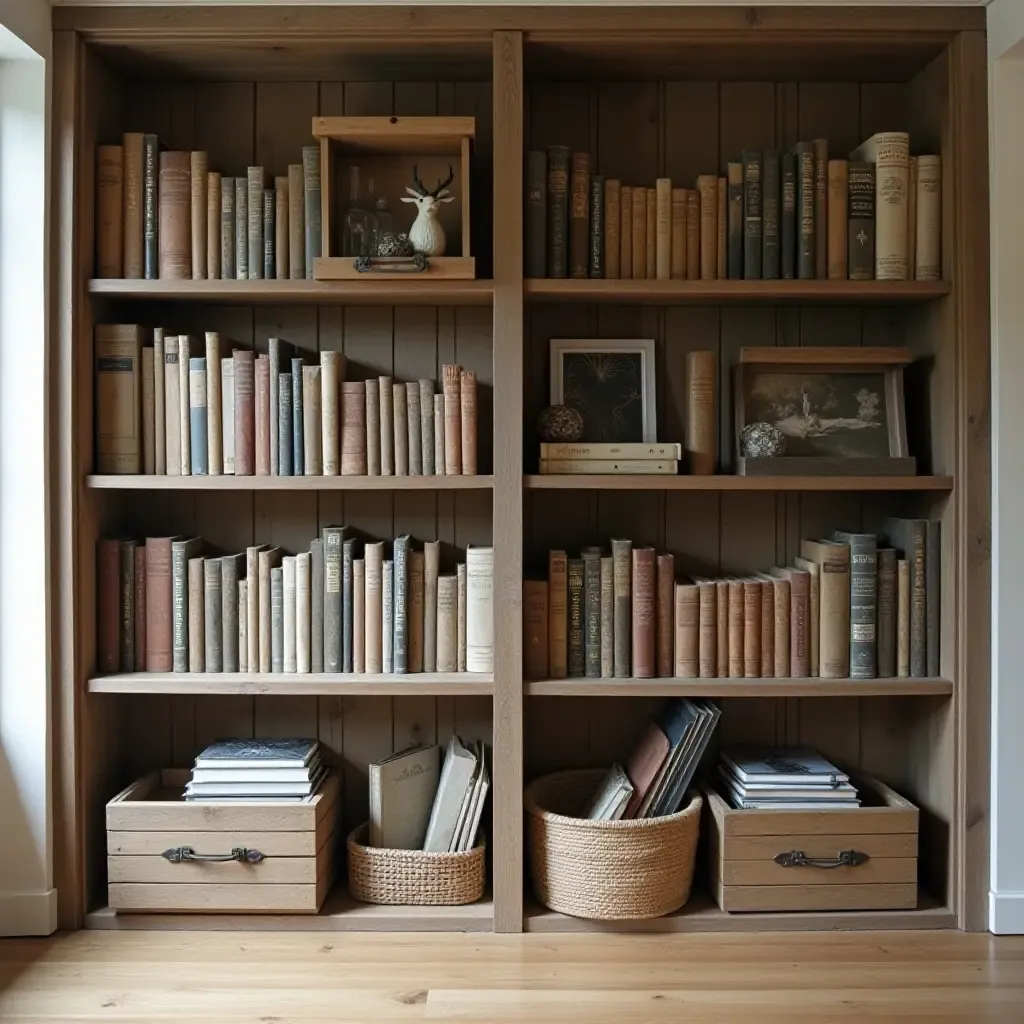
(392,154)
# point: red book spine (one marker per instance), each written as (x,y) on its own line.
(644,612)
(159,606)
(262,416)
(666,609)
(245,443)
(108,606)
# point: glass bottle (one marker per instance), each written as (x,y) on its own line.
(356,222)
(386,226)
(372,230)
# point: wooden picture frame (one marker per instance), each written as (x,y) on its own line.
(642,427)
(869,442)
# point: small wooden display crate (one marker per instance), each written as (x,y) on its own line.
(387,149)
(273,857)
(861,858)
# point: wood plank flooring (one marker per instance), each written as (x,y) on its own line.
(291,978)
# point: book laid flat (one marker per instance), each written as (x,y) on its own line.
(583,466)
(783,779)
(402,789)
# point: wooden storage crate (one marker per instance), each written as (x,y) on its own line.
(284,851)
(879,840)
(386,149)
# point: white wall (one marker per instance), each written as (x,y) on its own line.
(28,903)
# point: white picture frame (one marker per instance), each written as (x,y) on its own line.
(560,348)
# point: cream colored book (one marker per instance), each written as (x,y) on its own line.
(148,412)
(402,790)
(312,433)
(373,458)
(303,569)
(431,570)
(663,249)
(647,467)
(159,413)
(331,373)
(439,435)
(578,451)
(227,406)
(401,429)
(374,558)
(269,559)
(184,412)
(456,780)
(172,410)
(198,169)
(890,153)
(467,421)
(483,784)
(387,427)
(415,426)
(479,609)
(387,615)
(288,616)
(834,606)
(460,617)
(243,626)
(814,611)
(427,426)
(358,615)
(929,219)
(214,407)
(452,376)
(447,625)
(252,611)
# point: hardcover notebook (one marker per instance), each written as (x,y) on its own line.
(253,753)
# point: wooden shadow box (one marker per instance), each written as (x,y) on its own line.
(783,860)
(386,149)
(272,857)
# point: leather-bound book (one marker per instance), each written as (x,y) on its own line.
(159,605)
(452,375)
(734,177)
(184,403)
(198,410)
(558,211)
(700,412)
(333,540)
(262,409)
(579,215)
(416,618)
(652,234)
(227,228)
(687,631)
(213,615)
(269,234)
(536,213)
(331,373)
(133,144)
(414,439)
(890,153)
(254,231)
(150,202)
(196,614)
(607,617)
(172,423)
(723,229)
(387,426)
(771,192)
(427,426)
(439,431)
(909,537)
(126,604)
(358,615)
(447,624)
(787,217)
(296,223)
(199,172)
(139,607)
(722,619)
(592,612)
(692,235)
(355,430)
(886,613)
(928,235)
(639,232)
(863,579)
(707,612)
(317,573)
(232,572)
(820,208)
(677,268)
(625,232)
(241,229)
(400,605)
(737,632)
(245,412)
(277,619)
(622,612)
(302,612)
(213,205)
(281,241)
(312,452)
(799,588)
(148,412)
(665,626)
(834,606)
(182,552)
(109,211)
(298,418)
(558,612)
(373,462)
(752,214)
(644,586)
(612,225)
(751,628)
(108,606)
(767,625)
(663,228)
(374,558)
(214,406)
(467,420)
(902,618)
(814,612)
(118,390)
(806,242)
(707,187)
(535,629)
(174,230)
(431,572)
(838,219)
(596,240)
(861,221)
(576,652)
(783,635)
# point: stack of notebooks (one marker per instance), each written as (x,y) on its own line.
(656,458)
(416,804)
(661,768)
(257,770)
(784,779)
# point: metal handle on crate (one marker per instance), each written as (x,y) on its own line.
(799,859)
(391,264)
(184,854)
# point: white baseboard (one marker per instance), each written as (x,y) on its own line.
(1006,913)
(28,913)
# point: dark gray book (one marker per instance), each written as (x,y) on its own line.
(577,660)
(241,229)
(298,445)
(863,602)
(311,189)
(284,421)
(752,214)
(400,606)
(596,267)
(734,217)
(770,193)
(150,206)
(269,234)
(316,605)
(861,222)
(181,552)
(787,217)
(558,211)
(213,615)
(932,594)
(536,213)
(592,612)
(277,620)
(622,606)
(126,550)
(908,536)
(803,153)
(333,540)
(347,635)
(227,228)
(232,570)
(887,625)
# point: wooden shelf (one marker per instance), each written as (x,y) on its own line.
(290,483)
(725,293)
(736,687)
(323,293)
(729,482)
(293,684)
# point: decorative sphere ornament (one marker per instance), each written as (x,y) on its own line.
(560,423)
(392,244)
(762,441)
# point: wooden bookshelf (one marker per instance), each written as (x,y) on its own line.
(650,93)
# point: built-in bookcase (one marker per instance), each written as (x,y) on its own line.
(648,93)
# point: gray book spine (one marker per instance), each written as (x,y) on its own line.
(332,599)
(908,536)
(592,613)
(269,234)
(255,223)
(387,628)
(577,662)
(932,595)
(427,426)
(863,603)
(274,351)
(536,213)
(316,606)
(596,267)
(197,414)
(347,554)
(400,610)
(150,204)
(277,620)
(622,615)
(241,229)
(213,609)
(607,617)
(298,443)
(770,216)
(284,429)
(886,613)
(311,188)
(787,217)
(227,229)
(181,552)
(231,568)
(752,213)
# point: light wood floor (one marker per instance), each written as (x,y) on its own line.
(289,978)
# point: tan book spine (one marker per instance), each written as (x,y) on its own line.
(890,152)
(148,412)
(374,607)
(172,414)
(417,591)
(678,236)
(400,406)
(452,420)
(579,215)
(666,582)
(296,224)
(799,613)
(460,616)
(707,651)
(196,615)
(722,617)
(199,171)
(303,652)
(692,235)
(358,615)
(243,625)
(612,220)
(415,425)
(387,426)
(331,373)
(174,204)
(268,560)
(133,187)
(262,415)
(723,229)
(213,225)
(535,629)
(558,614)
(651,234)
(439,441)
(639,230)
(737,610)
(625,232)
(751,629)
(833,561)
(707,188)
(252,610)
(663,228)
(783,631)
(607,617)
(214,407)
(903,618)
(838,193)
(622,613)
(701,441)
(373,427)
(813,612)
(447,625)
(821,208)
(687,631)
(912,174)
(928,248)
(427,427)
(159,412)
(281,227)
(468,420)
(289,631)
(184,411)
(109,211)
(355,431)
(644,612)
(431,571)
(767,629)
(312,431)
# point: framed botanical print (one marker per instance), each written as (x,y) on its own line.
(610,382)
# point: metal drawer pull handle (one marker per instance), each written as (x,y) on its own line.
(184,854)
(799,859)
(391,264)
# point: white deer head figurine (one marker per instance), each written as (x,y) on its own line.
(426,234)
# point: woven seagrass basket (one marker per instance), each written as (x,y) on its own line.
(412,877)
(606,870)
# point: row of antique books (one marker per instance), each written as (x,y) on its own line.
(794,215)
(166,604)
(164,214)
(855,605)
(179,409)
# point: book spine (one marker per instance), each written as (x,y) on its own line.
(622,570)
(692,235)
(837,653)
(172,403)
(820,208)
(806,259)
(612,220)
(296,223)
(213,615)
(159,402)
(289,659)
(302,623)
(400,604)
(592,613)
(355,428)
(148,412)
(241,229)
(918,600)
(576,653)
(358,615)
(268,562)
(452,376)
(262,416)
(861,217)
(276,433)
(230,620)
(159,606)
(752,214)
(928,229)
(479,589)
(416,617)
(199,171)
(387,426)
(134,189)
(863,606)
(243,626)
(387,629)
(179,583)
(558,614)
(373,427)
(298,420)
(665,568)
(150,215)
(536,213)
(700,412)
(788,220)
(722,620)
(184,403)
(227,398)
(118,388)
(638,230)
(109,211)
(799,586)
(227,228)
(707,612)
(333,601)
(687,631)
(431,571)
(277,619)
(677,270)
(467,415)
(751,629)
(254,233)
(737,609)
(312,455)
(607,619)
(535,629)
(197,415)
(596,242)
(932,586)
(269,235)
(783,630)
(374,569)
(331,372)
(427,426)
(707,186)
(447,626)
(770,250)
(838,219)
(558,211)
(213,240)
(139,626)
(579,215)
(317,584)
(214,406)
(886,613)
(723,229)
(174,228)
(625,232)
(400,407)
(284,432)
(126,605)
(439,440)
(912,218)
(414,439)
(281,239)
(767,629)
(903,618)
(734,177)
(892,171)
(196,615)
(252,609)
(651,235)
(644,612)
(245,413)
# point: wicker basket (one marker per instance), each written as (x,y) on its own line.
(606,870)
(412,877)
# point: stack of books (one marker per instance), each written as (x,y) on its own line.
(661,768)
(658,457)
(256,770)
(797,779)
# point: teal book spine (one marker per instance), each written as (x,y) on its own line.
(298,445)
(284,430)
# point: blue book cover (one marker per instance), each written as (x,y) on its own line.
(284,428)
(197,415)
(298,468)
